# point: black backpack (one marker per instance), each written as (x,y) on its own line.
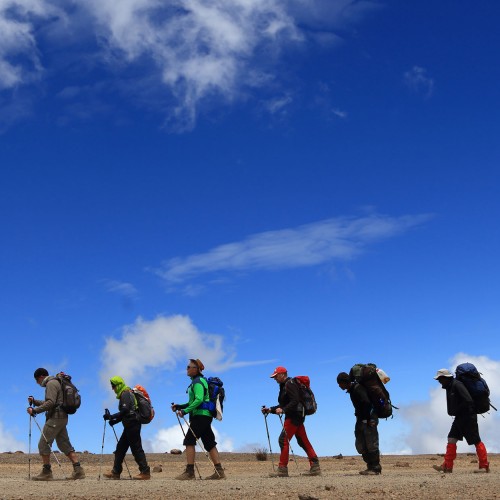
(306,394)
(71,397)
(367,376)
(468,374)
(144,404)
(216,394)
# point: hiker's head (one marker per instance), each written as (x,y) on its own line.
(40,374)
(117,384)
(444,377)
(280,374)
(344,380)
(195,367)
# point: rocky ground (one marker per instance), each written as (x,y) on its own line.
(408,477)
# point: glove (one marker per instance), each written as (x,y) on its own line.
(265,410)
(106,415)
(174,407)
(113,421)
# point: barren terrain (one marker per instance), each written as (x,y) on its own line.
(409,477)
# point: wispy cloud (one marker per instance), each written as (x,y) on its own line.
(341,238)
(124,289)
(188,50)
(19,54)
(419,82)
(160,344)
(429,422)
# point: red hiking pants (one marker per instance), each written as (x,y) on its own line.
(299,431)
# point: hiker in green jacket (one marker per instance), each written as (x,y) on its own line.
(200,422)
(128,415)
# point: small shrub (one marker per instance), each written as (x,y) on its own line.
(261,454)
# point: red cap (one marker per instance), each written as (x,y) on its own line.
(279,369)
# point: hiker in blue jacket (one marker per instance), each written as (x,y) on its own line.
(365,430)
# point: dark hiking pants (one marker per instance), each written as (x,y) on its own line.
(367,444)
(130,438)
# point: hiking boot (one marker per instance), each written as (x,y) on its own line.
(315,470)
(442,468)
(370,472)
(111,475)
(483,470)
(218,474)
(186,475)
(78,472)
(45,475)
(280,472)
(143,476)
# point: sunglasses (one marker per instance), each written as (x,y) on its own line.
(188,367)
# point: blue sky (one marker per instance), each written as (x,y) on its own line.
(254,183)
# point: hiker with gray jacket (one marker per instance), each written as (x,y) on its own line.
(56,420)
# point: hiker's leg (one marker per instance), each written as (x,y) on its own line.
(304,443)
(359,440)
(372,447)
(288,432)
(121,450)
(134,439)
(482,455)
(63,442)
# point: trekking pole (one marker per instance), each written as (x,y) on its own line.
(289,444)
(29,447)
(268,438)
(184,434)
(106,411)
(46,440)
(124,461)
(201,446)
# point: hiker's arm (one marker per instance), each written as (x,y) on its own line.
(363,404)
(51,390)
(198,393)
(126,405)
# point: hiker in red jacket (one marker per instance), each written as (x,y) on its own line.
(289,405)
(460,405)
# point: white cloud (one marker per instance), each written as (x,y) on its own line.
(124,289)
(19,53)
(418,81)
(339,238)
(189,50)
(171,438)
(8,442)
(429,422)
(160,344)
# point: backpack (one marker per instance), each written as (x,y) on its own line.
(367,376)
(144,405)
(468,374)
(306,394)
(216,394)
(71,397)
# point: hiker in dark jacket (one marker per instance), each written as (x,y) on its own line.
(128,414)
(56,420)
(460,405)
(365,430)
(289,404)
(200,422)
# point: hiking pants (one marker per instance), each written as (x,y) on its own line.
(465,426)
(367,443)
(130,438)
(299,431)
(55,428)
(201,425)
